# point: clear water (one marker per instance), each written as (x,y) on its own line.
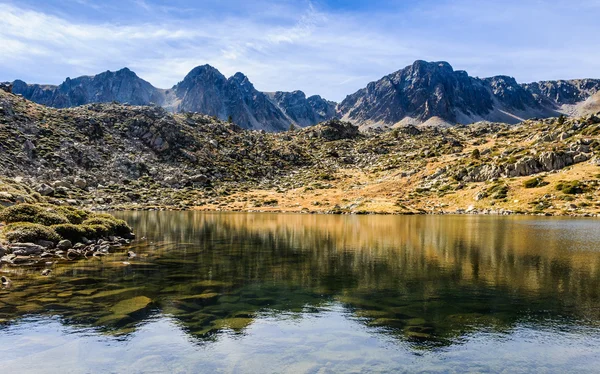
(261,293)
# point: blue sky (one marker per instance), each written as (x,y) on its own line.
(326,47)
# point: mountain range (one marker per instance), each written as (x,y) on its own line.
(430,93)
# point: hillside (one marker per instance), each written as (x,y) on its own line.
(112,155)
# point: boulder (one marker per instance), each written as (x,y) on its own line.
(25,249)
(61,183)
(45,190)
(80,183)
(64,245)
(45,243)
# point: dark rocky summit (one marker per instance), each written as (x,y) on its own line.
(204,90)
(434,92)
(123,86)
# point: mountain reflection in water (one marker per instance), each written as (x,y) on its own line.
(339,285)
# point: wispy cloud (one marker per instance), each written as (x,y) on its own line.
(299,45)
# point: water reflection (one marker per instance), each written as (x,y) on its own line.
(427,283)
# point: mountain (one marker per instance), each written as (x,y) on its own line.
(434,93)
(123,86)
(204,89)
(302,110)
(430,93)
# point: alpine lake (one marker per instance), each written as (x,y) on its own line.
(298,293)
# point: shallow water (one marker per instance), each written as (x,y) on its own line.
(229,292)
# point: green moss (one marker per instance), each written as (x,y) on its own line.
(69,231)
(94,231)
(113,225)
(74,215)
(26,232)
(32,213)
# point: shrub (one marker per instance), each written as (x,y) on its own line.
(71,232)
(19,213)
(74,215)
(113,225)
(95,231)
(31,213)
(535,182)
(569,188)
(476,154)
(25,232)
(499,191)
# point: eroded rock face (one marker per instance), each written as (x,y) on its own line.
(302,110)
(425,90)
(123,86)
(546,161)
(203,90)
(563,91)
(6,87)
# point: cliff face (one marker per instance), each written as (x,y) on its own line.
(304,111)
(434,90)
(563,91)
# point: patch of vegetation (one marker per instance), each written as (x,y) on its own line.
(535,182)
(74,233)
(26,232)
(30,223)
(33,214)
(113,225)
(574,187)
(325,176)
(498,191)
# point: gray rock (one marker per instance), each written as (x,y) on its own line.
(425,90)
(45,243)
(64,245)
(80,183)
(25,249)
(61,183)
(45,190)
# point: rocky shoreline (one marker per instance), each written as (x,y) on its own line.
(467,211)
(43,234)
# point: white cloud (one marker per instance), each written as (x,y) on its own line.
(287,48)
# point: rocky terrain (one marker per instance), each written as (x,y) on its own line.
(204,90)
(105,156)
(434,93)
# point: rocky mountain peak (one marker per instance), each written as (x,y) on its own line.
(433,91)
